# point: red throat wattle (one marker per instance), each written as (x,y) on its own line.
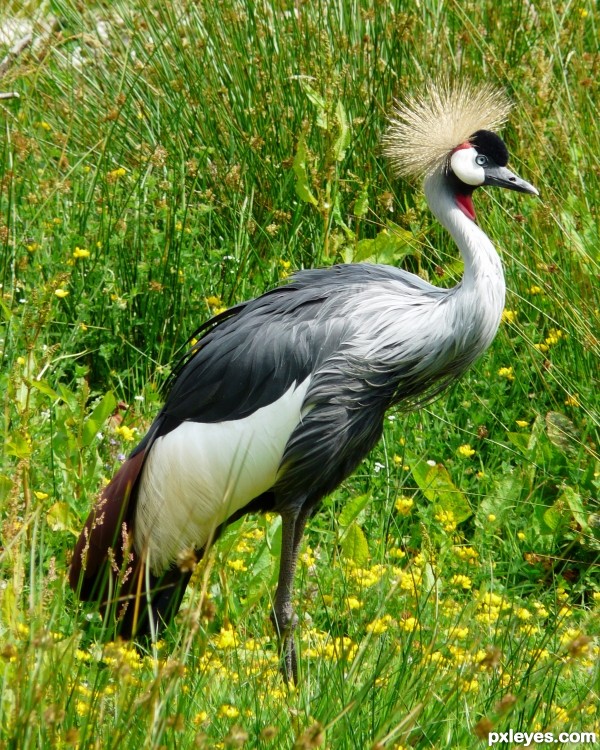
(465,203)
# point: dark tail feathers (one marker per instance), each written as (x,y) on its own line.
(105,567)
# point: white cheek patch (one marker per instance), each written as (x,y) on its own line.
(465,167)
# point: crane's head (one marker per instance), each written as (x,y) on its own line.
(450,131)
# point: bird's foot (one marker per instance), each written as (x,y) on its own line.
(285,623)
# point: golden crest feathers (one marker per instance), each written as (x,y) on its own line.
(425,128)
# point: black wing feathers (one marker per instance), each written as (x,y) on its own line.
(250,355)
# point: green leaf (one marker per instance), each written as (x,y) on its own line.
(299,166)
(554,516)
(352,509)
(273,537)
(388,247)
(6,484)
(43,387)
(562,433)
(575,504)
(60,517)
(501,499)
(6,311)
(344,138)
(260,575)
(336,214)
(319,102)
(92,425)
(18,446)
(437,486)
(9,607)
(354,545)
(520,440)
(361,204)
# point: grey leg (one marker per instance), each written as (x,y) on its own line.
(283,617)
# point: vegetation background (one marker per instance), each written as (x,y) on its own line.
(167,159)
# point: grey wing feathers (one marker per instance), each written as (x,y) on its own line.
(249,359)
(255,351)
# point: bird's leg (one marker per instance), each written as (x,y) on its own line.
(283,617)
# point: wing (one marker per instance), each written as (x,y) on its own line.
(252,357)
(254,352)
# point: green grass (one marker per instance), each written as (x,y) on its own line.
(169,158)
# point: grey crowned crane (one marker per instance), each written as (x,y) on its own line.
(283,396)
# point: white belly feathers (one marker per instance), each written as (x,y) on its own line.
(198,474)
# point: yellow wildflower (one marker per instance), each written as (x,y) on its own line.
(226,638)
(491,518)
(468,554)
(341,647)
(447,520)
(404,505)
(462,581)
(506,372)
(541,611)
(460,633)
(438,658)
(307,558)
(214,301)
(366,577)
(61,293)
(410,581)
(560,715)
(572,400)
(41,495)
(509,316)
(534,289)
(489,599)
(554,336)
(408,624)
(237,564)
(116,174)
(227,711)
(126,433)
(522,423)
(465,451)
(523,614)
(469,685)
(380,625)
(81,252)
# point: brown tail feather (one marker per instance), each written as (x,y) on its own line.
(100,546)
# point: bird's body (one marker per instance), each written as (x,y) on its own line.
(283,396)
(325,365)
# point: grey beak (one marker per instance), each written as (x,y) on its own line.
(503,177)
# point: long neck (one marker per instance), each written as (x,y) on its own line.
(480,295)
(482,264)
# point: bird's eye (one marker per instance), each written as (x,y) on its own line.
(481,160)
